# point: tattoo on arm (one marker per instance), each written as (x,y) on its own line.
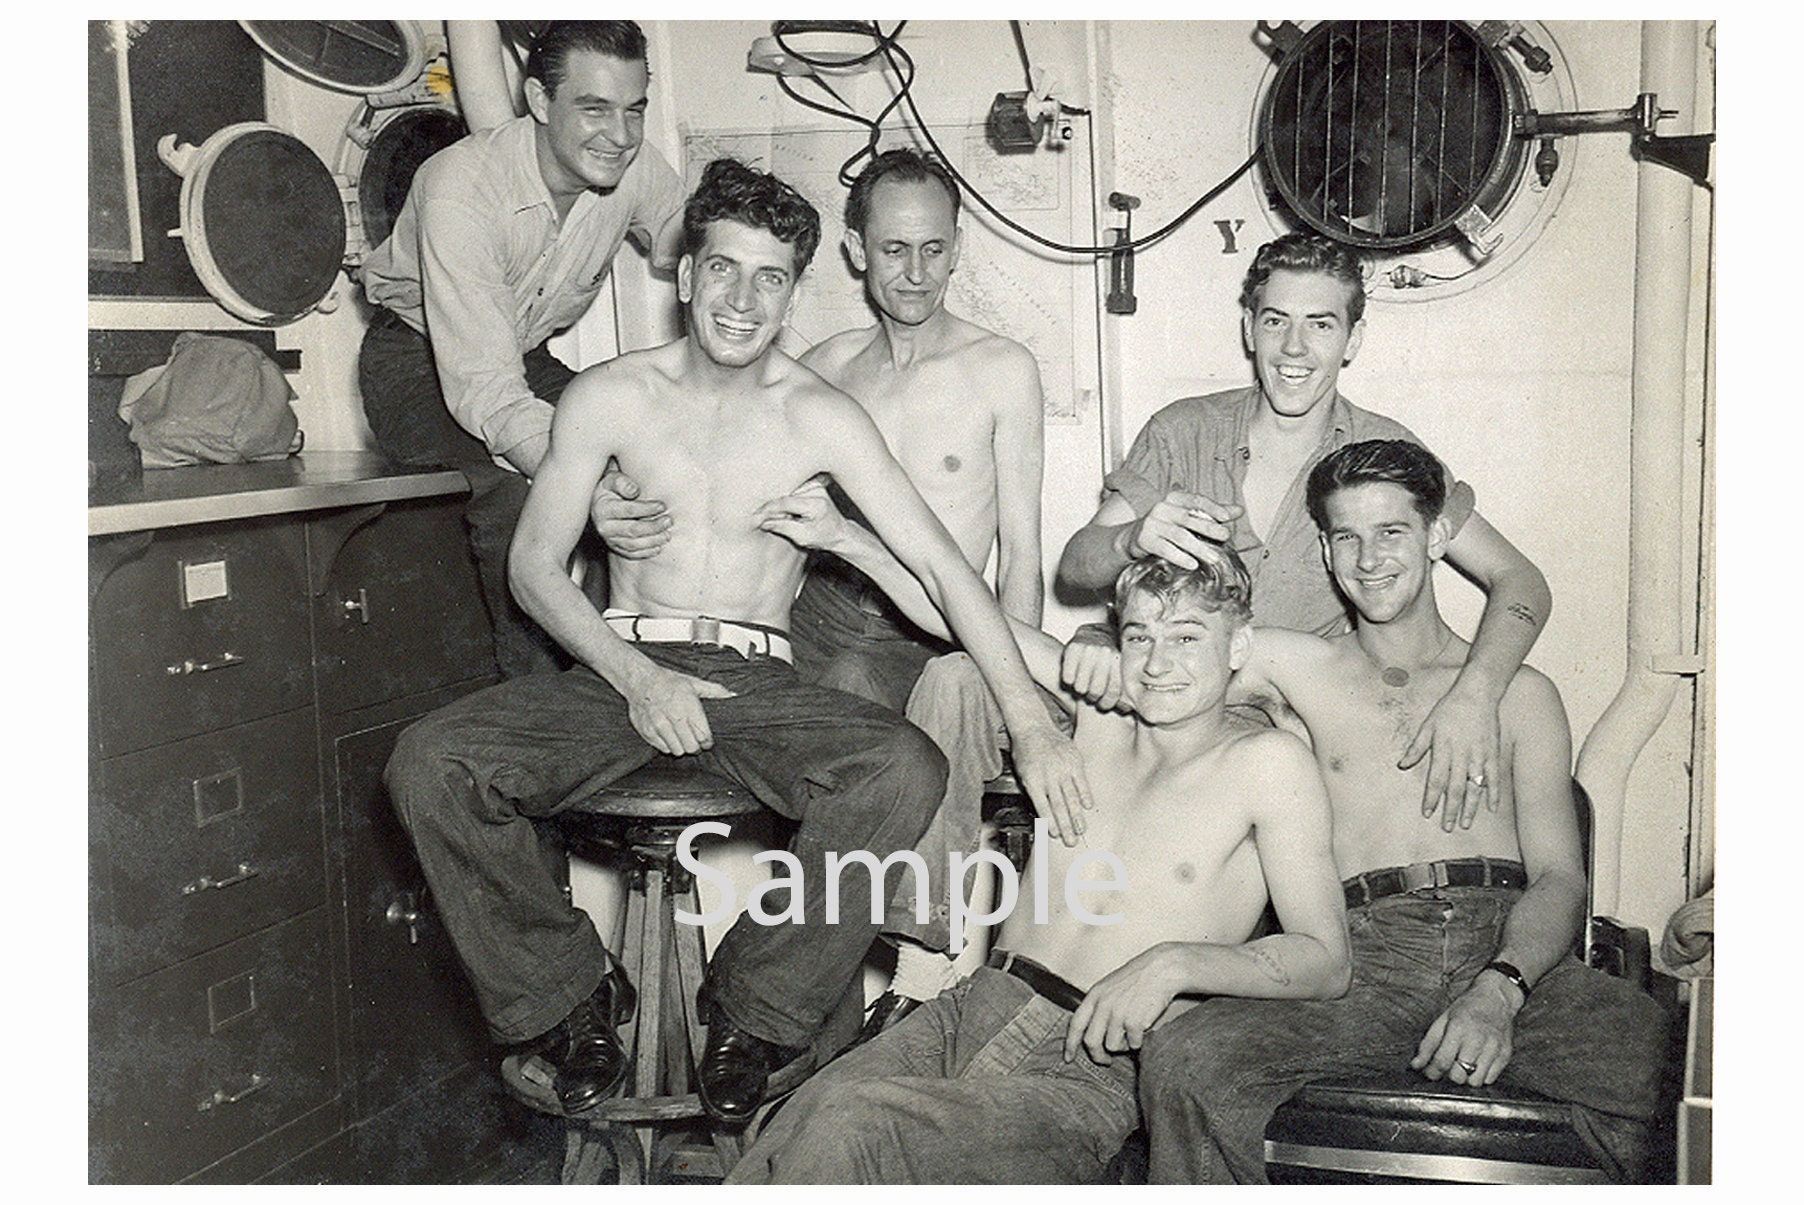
(1274,970)
(1525,613)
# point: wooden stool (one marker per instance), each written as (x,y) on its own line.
(635,825)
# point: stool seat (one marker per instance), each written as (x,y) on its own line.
(669,788)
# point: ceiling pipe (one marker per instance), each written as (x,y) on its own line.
(1656,602)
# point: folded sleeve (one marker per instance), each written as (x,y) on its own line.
(1152,468)
(657,221)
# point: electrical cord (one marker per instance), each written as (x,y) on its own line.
(874,125)
(1027,69)
(902,63)
(1145,240)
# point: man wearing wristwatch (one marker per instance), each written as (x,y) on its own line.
(1461,937)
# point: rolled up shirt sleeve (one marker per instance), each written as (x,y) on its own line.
(658,218)
(469,309)
(1152,467)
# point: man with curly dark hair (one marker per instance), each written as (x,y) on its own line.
(692,660)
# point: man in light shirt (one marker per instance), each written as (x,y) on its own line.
(503,242)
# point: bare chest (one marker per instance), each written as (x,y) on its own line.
(936,419)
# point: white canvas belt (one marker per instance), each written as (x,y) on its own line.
(702,629)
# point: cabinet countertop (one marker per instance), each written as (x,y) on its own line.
(210,493)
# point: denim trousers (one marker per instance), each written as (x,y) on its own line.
(405,406)
(970,1088)
(849,636)
(1211,1078)
(952,704)
(469,779)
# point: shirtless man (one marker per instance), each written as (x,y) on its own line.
(692,661)
(1017,1073)
(1232,466)
(1475,980)
(961,410)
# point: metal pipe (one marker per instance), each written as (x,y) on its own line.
(1656,464)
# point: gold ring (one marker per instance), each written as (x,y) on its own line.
(1468,1068)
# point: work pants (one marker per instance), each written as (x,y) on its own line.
(970,1088)
(469,780)
(850,637)
(405,406)
(1211,1079)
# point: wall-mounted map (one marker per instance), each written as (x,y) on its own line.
(1040,298)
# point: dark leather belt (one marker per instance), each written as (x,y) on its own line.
(1043,981)
(1423,876)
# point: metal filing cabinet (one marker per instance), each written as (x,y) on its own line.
(268,986)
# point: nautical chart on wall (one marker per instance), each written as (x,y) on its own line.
(1039,298)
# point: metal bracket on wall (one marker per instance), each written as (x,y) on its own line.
(1687,154)
(1121,298)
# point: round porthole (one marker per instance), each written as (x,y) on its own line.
(380,157)
(262,221)
(348,56)
(1398,137)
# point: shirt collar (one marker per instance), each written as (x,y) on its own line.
(1340,421)
(526,187)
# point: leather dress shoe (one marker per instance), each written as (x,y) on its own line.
(886,1011)
(583,1050)
(736,1068)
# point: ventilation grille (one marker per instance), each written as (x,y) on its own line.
(1387,133)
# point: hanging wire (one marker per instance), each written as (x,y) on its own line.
(902,63)
(874,125)
(1027,69)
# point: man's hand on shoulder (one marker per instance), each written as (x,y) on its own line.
(1051,771)
(1117,1013)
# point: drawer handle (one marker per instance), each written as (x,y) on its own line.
(222,1097)
(406,911)
(359,606)
(206,882)
(201,667)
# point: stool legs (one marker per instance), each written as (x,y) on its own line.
(663,958)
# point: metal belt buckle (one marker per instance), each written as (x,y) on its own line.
(1422,875)
(704,629)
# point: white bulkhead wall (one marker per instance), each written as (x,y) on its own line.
(1521,384)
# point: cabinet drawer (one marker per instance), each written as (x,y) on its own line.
(397,610)
(209,839)
(207,627)
(195,1062)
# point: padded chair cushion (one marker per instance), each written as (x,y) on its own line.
(1403,1112)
